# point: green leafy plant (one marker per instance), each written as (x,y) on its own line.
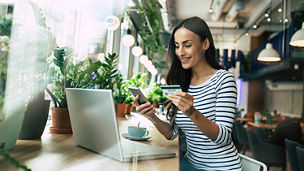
(105,78)
(151,29)
(64,74)
(156,95)
(5,31)
(6,25)
(122,93)
(138,81)
(6,156)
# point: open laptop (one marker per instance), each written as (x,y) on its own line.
(94,126)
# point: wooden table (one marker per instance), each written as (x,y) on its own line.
(263,125)
(56,152)
(244,119)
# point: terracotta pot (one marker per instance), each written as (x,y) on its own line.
(155,105)
(129,109)
(61,121)
(121,110)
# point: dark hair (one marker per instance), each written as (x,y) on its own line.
(170,111)
(178,75)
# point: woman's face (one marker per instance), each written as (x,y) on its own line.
(189,48)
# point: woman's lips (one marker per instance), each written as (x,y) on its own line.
(185,60)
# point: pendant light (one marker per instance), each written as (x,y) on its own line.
(128,40)
(137,51)
(298,38)
(269,54)
(112,22)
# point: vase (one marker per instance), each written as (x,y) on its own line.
(35,118)
(61,123)
(155,105)
(121,110)
(129,109)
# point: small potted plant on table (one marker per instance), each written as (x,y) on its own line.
(156,96)
(122,96)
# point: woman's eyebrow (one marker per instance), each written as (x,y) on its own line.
(186,41)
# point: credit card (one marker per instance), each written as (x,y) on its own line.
(168,90)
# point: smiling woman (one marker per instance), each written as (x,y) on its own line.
(205,110)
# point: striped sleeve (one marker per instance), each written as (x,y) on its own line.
(226,96)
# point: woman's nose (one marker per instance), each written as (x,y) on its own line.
(180,51)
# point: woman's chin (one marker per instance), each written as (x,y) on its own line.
(186,66)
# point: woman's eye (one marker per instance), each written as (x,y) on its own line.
(187,45)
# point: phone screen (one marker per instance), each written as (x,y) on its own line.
(135,91)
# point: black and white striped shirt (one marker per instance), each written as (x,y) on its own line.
(216,100)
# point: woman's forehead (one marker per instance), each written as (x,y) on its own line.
(182,34)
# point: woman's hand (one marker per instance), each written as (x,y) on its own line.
(146,109)
(184,102)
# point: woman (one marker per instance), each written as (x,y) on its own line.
(206,107)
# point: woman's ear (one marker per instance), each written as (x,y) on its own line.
(206,44)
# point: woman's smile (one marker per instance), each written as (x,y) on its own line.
(185,60)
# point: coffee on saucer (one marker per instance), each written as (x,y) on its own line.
(135,131)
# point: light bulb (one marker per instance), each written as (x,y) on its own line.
(137,51)
(143,59)
(128,40)
(112,22)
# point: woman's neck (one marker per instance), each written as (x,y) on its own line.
(202,73)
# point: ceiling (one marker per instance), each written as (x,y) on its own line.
(231,19)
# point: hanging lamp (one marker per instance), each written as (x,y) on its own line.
(128,40)
(269,54)
(137,51)
(298,38)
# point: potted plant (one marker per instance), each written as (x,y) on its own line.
(84,74)
(59,81)
(64,74)
(121,96)
(156,96)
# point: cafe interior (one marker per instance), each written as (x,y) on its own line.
(50,49)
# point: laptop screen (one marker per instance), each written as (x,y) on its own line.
(93,120)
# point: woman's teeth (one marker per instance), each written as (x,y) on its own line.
(184,59)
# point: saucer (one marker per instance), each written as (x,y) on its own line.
(144,138)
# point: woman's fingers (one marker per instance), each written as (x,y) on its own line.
(136,100)
(183,101)
(182,97)
(147,109)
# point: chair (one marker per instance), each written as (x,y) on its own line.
(270,154)
(250,164)
(235,139)
(262,134)
(241,136)
(292,154)
(300,155)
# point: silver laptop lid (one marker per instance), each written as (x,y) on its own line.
(93,121)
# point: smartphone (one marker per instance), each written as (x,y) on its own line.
(135,91)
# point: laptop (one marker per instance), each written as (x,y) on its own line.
(94,125)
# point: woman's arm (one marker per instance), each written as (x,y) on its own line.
(148,111)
